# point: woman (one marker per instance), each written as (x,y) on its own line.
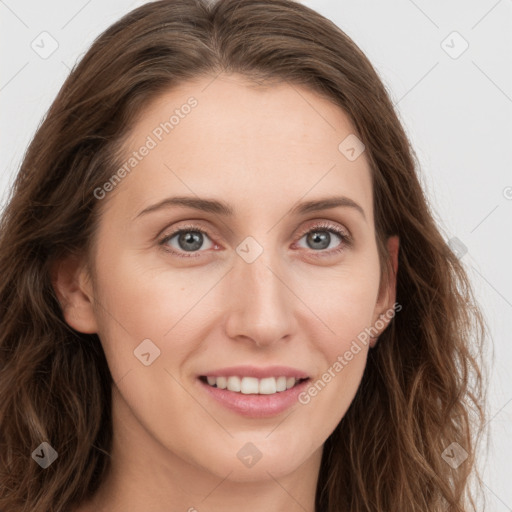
(172,336)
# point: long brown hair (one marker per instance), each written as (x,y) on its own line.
(423,387)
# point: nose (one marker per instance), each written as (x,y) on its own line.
(261,302)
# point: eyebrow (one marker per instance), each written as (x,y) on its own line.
(222,208)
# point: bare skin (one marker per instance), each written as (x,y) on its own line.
(261,150)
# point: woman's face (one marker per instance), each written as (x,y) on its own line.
(247,283)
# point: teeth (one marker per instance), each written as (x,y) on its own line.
(281,384)
(234,384)
(248,385)
(252,385)
(268,386)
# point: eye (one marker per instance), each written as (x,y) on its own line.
(319,238)
(190,239)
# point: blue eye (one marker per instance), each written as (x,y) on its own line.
(190,239)
(322,237)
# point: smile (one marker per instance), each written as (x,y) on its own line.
(252,385)
(252,397)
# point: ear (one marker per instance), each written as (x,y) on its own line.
(387,291)
(73,288)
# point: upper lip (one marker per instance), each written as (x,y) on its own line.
(258,372)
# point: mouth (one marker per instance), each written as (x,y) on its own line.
(253,385)
(253,397)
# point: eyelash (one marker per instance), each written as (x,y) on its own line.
(346,240)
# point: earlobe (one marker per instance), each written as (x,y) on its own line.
(388,294)
(71,283)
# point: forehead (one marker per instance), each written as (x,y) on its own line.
(255,146)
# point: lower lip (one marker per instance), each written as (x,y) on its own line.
(256,406)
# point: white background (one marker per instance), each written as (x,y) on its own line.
(457,112)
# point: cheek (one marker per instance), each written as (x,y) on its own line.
(346,304)
(348,318)
(344,348)
(151,301)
